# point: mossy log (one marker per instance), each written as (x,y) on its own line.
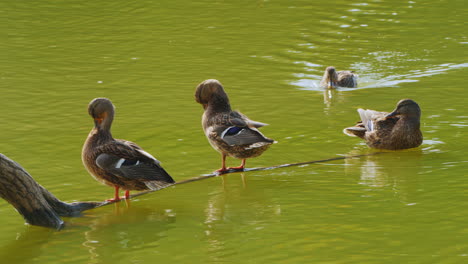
(37,205)
(40,207)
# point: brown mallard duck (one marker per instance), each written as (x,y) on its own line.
(396,130)
(229,132)
(119,163)
(332,79)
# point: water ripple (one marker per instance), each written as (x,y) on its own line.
(373,79)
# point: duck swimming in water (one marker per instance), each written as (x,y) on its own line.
(229,132)
(119,163)
(332,79)
(399,129)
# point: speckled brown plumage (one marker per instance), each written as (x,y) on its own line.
(393,131)
(119,163)
(332,79)
(229,132)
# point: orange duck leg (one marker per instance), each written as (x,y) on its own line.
(241,167)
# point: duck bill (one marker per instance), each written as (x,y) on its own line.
(97,122)
(330,85)
(391,115)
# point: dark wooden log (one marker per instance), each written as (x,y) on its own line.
(37,205)
(40,207)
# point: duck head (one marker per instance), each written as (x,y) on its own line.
(331,77)
(102,111)
(210,93)
(406,108)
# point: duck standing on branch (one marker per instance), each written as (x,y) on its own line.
(229,132)
(332,79)
(399,129)
(119,163)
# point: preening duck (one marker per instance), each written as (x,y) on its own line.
(399,129)
(229,132)
(119,163)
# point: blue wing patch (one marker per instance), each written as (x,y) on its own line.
(130,162)
(233,130)
(230,131)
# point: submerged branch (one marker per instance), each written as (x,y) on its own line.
(37,205)
(40,207)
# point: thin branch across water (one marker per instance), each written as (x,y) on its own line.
(40,207)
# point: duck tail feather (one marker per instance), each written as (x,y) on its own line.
(157,185)
(355,131)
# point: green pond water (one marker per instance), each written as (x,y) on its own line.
(148,57)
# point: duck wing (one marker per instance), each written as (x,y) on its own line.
(369,117)
(356,131)
(368,123)
(127,160)
(237,129)
(243,136)
(239,119)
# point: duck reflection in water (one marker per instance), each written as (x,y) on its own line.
(236,203)
(397,172)
(119,232)
(331,99)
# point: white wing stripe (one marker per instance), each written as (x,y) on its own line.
(119,163)
(148,155)
(227,129)
(224,132)
(371,125)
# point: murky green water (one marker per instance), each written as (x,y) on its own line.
(148,56)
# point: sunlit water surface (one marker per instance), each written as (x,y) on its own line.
(148,56)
